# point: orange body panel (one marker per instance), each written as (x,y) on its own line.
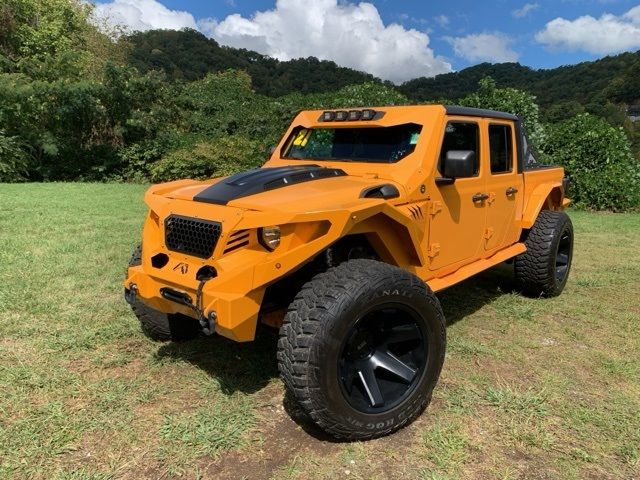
(434,231)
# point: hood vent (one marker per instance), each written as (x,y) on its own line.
(261,180)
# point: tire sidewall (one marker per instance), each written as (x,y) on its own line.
(564,225)
(348,311)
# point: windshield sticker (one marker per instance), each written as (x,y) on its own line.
(414,138)
(302,138)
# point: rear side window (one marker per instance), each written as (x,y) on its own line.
(461,136)
(501,148)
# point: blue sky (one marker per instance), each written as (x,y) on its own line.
(401,39)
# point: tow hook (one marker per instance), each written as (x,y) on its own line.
(209,324)
(131,293)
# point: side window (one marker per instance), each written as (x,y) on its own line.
(461,136)
(501,148)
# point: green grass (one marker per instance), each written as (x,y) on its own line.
(530,388)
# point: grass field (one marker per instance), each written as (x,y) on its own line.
(530,388)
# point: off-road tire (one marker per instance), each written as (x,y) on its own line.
(314,329)
(157,325)
(535,270)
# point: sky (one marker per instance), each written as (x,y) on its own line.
(399,40)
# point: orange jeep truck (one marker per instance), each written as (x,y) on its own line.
(343,239)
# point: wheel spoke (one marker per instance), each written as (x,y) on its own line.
(348,377)
(370,384)
(387,361)
(562,259)
(403,333)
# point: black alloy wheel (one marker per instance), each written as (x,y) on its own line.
(382,359)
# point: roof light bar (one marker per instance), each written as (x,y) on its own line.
(350,116)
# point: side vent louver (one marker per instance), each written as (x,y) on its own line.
(416,212)
(237,240)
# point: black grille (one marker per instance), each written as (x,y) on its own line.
(191,236)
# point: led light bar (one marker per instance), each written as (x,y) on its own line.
(350,116)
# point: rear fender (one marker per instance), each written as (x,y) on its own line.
(548,196)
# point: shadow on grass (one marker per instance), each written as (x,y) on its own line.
(471,295)
(244,367)
(249,367)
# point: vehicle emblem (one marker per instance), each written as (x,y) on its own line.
(183,267)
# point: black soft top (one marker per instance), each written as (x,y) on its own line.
(479,112)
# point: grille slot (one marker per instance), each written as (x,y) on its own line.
(191,235)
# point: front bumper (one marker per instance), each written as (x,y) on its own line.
(236,312)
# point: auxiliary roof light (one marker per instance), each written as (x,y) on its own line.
(327,116)
(341,116)
(350,116)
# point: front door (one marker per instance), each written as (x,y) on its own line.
(504,206)
(457,215)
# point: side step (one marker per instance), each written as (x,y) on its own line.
(437,284)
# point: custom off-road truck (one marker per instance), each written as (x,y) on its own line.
(342,240)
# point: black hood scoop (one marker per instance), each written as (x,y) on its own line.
(261,180)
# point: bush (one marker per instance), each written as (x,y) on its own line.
(223,156)
(13,160)
(598,159)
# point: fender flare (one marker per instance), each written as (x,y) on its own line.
(541,197)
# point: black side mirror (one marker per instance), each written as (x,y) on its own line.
(271,150)
(459,164)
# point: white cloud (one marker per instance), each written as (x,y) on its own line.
(526,9)
(352,35)
(484,47)
(604,35)
(442,20)
(136,15)
(207,25)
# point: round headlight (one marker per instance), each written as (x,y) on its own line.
(270,237)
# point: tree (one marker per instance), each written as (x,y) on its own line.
(13,161)
(598,160)
(509,100)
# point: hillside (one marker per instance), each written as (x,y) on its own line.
(189,55)
(587,84)
(562,92)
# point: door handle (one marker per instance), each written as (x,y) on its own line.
(511,191)
(480,197)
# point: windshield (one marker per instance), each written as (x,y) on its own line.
(356,144)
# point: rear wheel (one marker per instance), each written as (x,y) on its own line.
(361,349)
(158,325)
(543,270)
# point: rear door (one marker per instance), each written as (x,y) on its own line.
(504,186)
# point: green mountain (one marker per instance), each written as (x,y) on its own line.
(189,55)
(560,91)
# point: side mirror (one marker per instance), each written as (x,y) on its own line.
(271,150)
(459,164)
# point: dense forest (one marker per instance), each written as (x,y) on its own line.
(76,104)
(587,86)
(189,55)
(561,92)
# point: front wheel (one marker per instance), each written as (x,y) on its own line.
(361,349)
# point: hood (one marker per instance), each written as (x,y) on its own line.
(290,188)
